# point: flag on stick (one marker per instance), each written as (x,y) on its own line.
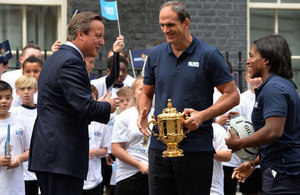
(109,10)
(138,58)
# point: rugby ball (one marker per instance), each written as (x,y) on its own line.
(243,128)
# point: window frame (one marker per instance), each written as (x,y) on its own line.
(272,6)
(61,17)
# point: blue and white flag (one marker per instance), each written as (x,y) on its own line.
(5,52)
(138,57)
(109,10)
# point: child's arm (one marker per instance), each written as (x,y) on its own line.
(17,160)
(222,155)
(119,152)
(97,152)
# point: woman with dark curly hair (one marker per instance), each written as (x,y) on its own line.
(275,117)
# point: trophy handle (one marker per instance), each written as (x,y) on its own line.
(186,117)
(154,123)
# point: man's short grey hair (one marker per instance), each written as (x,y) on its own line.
(81,21)
(179,8)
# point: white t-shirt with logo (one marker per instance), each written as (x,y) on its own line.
(98,135)
(11,180)
(125,131)
(27,117)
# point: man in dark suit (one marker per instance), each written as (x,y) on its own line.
(60,144)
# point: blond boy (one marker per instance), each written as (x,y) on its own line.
(26,87)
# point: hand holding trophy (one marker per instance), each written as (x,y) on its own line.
(170,130)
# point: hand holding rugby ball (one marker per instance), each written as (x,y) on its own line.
(243,128)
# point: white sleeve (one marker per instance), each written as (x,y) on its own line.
(100,85)
(26,134)
(105,141)
(120,129)
(219,137)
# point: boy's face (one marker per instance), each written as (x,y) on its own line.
(123,73)
(124,100)
(26,95)
(32,69)
(5,101)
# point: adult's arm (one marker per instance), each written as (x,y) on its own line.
(230,98)
(144,106)
(242,172)
(76,89)
(271,131)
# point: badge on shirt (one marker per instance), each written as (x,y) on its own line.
(19,132)
(96,133)
(255,105)
(193,64)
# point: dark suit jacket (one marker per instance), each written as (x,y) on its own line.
(60,142)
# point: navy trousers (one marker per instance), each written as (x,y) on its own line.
(59,184)
(187,175)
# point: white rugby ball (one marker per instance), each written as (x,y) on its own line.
(243,128)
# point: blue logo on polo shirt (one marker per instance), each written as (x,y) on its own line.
(96,133)
(193,64)
(19,132)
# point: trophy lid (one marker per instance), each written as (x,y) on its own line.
(170,112)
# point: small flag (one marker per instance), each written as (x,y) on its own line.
(5,52)
(109,9)
(138,59)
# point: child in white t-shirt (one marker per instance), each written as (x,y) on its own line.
(223,154)
(26,87)
(14,146)
(124,95)
(131,149)
(98,148)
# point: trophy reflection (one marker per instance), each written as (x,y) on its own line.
(170,130)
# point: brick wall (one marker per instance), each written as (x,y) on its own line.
(221,23)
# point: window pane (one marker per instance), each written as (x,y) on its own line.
(42,25)
(289,27)
(11,25)
(261,24)
(296,71)
(289,1)
(263,1)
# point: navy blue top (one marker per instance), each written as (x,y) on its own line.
(278,97)
(189,82)
(60,138)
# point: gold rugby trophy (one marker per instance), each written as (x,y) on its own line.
(170,130)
